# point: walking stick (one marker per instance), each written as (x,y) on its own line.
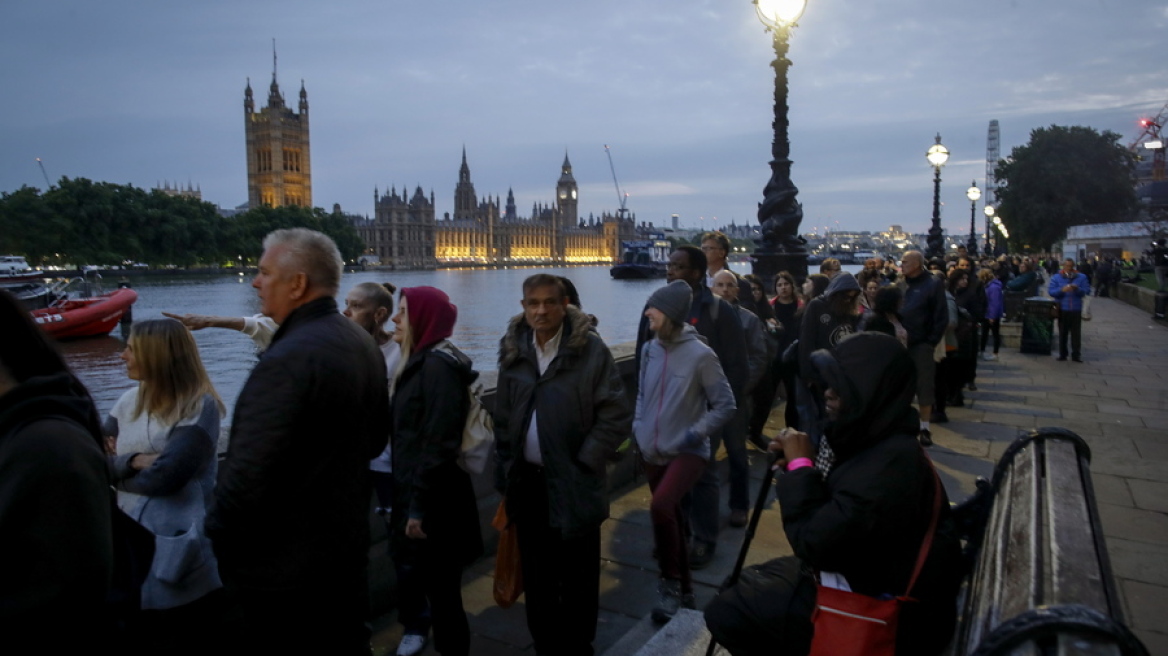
(751,527)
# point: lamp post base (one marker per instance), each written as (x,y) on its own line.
(766,264)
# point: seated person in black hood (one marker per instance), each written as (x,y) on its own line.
(857,517)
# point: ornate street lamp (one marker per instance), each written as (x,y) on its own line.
(999,247)
(937,156)
(973,193)
(780,247)
(989,235)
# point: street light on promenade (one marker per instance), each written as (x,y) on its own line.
(937,156)
(973,193)
(780,247)
(1003,233)
(989,235)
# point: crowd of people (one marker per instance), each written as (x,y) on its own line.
(267,550)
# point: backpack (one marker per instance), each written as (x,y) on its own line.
(478,434)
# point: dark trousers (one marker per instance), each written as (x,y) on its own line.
(991,326)
(767,612)
(413,611)
(1070,324)
(760,403)
(669,484)
(426,580)
(786,373)
(704,510)
(323,616)
(192,629)
(561,576)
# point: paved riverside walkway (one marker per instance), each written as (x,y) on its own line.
(1117,400)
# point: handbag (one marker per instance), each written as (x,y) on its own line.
(478,433)
(854,624)
(508,570)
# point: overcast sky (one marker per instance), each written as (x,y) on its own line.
(142,91)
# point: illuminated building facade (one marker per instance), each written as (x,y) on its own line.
(406,235)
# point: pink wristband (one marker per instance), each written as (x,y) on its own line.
(799,463)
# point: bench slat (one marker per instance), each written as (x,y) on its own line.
(1004,582)
(1075,576)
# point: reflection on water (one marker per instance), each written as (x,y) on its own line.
(486,300)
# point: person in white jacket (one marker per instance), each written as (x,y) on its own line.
(683,398)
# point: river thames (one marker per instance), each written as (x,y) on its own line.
(486,300)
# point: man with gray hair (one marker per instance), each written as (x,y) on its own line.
(290,523)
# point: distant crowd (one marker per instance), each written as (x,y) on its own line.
(266,551)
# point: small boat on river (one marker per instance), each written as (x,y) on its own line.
(88,314)
(646,258)
(13,268)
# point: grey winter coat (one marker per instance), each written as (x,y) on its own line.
(583,414)
(683,398)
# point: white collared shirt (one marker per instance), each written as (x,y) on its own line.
(544,356)
(710,276)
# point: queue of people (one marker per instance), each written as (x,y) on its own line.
(268,549)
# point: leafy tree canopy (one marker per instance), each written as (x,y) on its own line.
(1065,176)
(80,221)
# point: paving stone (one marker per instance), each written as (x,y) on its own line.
(1152,449)
(1109,430)
(1112,489)
(1111,447)
(1134,524)
(1147,605)
(1012,419)
(1138,561)
(629,591)
(1155,642)
(1147,470)
(1150,495)
(1103,418)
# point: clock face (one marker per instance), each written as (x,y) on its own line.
(563,195)
(573,194)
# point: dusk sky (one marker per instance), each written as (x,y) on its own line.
(140,92)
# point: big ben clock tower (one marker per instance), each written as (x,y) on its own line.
(566,192)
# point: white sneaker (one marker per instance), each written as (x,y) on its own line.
(989,357)
(411,644)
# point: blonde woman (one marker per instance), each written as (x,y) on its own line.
(164,434)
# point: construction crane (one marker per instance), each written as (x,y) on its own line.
(42,165)
(623,199)
(1149,139)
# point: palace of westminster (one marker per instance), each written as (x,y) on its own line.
(404,233)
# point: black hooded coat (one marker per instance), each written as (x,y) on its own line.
(866,520)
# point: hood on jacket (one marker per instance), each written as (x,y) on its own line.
(58,395)
(577,325)
(431,315)
(876,381)
(841,283)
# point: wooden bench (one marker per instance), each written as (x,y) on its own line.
(1042,581)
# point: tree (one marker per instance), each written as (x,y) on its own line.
(253,225)
(1065,176)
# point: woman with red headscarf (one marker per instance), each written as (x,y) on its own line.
(435,527)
